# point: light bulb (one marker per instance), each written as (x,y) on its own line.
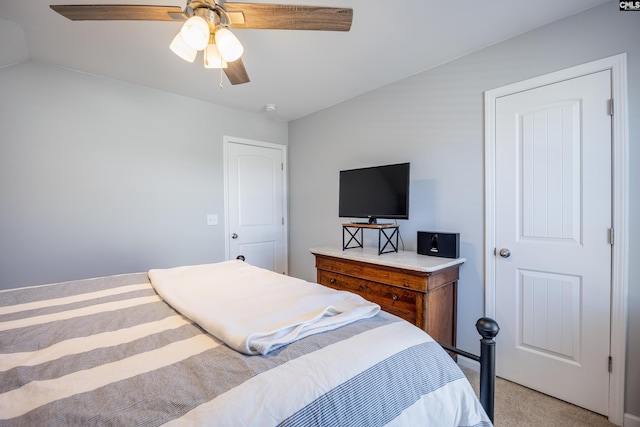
(195,33)
(228,44)
(212,58)
(180,48)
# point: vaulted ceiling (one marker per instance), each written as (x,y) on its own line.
(298,71)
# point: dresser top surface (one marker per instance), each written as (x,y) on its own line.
(401,259)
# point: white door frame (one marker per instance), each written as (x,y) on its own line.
(226,140)
(617,64)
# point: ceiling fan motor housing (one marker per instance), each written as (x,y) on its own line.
(212,12)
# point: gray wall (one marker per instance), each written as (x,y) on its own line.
(99,177)
(435,121)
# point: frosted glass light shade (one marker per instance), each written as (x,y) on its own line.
(212,58)
(195,32)
(228,44)
(180,48)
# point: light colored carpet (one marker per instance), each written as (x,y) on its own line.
(520,406)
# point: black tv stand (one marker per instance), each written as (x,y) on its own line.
(356,236)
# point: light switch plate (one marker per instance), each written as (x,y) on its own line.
(212,219)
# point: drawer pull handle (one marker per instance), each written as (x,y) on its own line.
(361,287)
(395,297)
(332,280)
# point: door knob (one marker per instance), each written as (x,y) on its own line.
(505,253)
(234,236)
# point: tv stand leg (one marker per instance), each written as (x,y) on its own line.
(353,237)
(389,241)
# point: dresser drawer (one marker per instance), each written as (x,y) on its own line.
(375,273)
(401,302)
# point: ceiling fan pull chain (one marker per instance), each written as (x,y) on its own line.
(221,86)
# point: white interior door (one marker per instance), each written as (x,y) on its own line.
(255,203)
(553,214)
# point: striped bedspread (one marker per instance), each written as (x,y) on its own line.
(109,351)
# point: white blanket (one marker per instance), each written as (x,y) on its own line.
(254,310)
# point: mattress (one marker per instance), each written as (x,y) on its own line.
(110,351)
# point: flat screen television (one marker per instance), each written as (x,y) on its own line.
(375,192)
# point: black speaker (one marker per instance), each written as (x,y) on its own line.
(446,245)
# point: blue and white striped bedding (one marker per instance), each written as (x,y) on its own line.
(109,351)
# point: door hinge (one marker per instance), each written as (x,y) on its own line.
(611,107)
(282,220)
(610,367)
(611,236)
(282,166)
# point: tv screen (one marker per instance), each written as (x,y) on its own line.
(375,192)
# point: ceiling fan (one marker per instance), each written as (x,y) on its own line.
(207,25)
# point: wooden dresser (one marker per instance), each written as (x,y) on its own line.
(420,289)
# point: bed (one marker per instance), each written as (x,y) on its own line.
(123,351)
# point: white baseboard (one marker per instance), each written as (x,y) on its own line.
(469,364)
(631,420)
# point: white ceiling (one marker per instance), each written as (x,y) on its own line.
(299,71)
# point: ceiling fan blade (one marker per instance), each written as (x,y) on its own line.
(236,73)
(118,12)
(290,17)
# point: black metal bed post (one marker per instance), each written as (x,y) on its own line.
(488,328)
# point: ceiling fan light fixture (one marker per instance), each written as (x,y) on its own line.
(195,32)
(228,44)
(212,58)
(180,48)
